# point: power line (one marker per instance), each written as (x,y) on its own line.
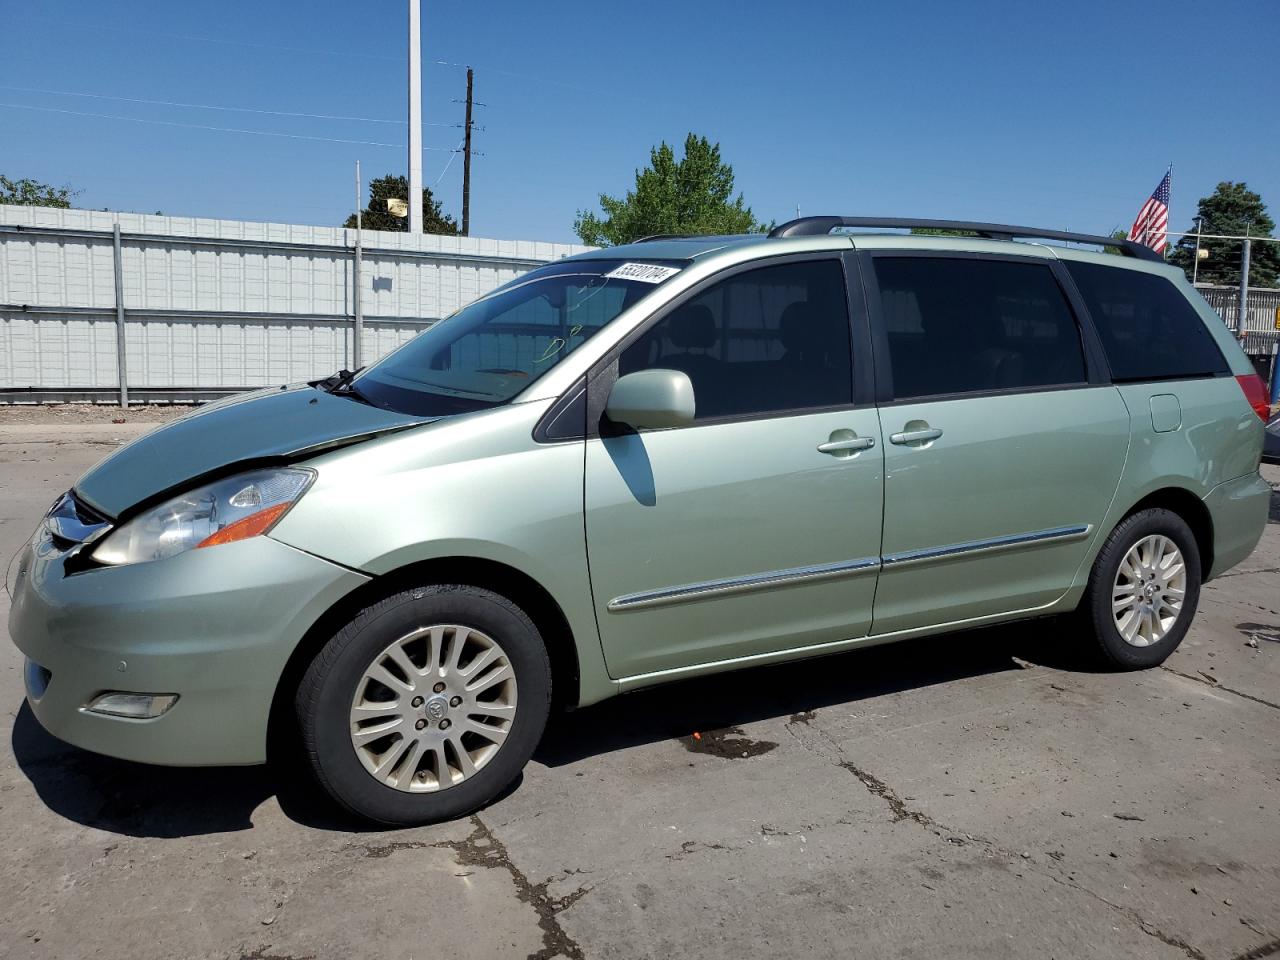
(210,106)
(318,51)
(456,150)
(200,126)
(345,54)
(536,79)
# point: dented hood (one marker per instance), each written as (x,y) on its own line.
(275,424)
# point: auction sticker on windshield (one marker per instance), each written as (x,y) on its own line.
(644,272)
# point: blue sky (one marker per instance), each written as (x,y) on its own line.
(1060,115)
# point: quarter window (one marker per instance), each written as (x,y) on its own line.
(965,325)
(763,341)
(1149,330)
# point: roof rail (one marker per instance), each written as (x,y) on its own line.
(820,226)
(696,236)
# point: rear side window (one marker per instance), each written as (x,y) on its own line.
(1147,327)
(764,341)
(964,325)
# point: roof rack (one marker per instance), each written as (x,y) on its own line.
(820,226)
(653,237)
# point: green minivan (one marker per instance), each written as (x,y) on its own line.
(639,464)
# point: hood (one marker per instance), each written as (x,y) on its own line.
(268,424)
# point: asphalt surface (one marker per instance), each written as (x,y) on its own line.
(979,795)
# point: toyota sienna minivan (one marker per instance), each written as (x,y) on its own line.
(640,464)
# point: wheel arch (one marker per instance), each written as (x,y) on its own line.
(1190,508)
(514,584)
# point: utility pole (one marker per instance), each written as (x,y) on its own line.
(466,165)
(415,116)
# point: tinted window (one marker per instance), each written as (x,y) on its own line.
(1147,327)
(762,341)
(964,325)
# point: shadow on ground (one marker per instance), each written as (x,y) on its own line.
(727,700)
(147,801)
(140,800)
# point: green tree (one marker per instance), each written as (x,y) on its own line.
(395,187)
(691,196)
(940,232)
(1230,210)
(1117,234)
(32,193)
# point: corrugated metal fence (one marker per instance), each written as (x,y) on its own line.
(1259,334)
(214,306)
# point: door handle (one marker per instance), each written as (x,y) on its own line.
(915,436)
(847,445)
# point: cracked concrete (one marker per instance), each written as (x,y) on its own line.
(482,849)
(981,795)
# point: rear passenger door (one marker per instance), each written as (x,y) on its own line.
(1004,442)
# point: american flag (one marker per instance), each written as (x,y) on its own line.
(1152,226)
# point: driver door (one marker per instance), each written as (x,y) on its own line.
(756,529)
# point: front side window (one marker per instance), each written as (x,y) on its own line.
(1148,328)
(966,325)
(763,341)
(494,348)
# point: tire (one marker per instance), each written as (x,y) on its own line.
(344,683)
(1156,636)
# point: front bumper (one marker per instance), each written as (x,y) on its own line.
(215,626)
(1239,510)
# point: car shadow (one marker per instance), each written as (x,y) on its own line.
(728,700)
(140,800)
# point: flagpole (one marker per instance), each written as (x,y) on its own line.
(1170,175)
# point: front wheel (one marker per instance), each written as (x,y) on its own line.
(1144,589)
(426,705)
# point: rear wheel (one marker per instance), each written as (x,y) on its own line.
(1144,589)
(426,705)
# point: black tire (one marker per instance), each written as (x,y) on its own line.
(324,697)
(1097,605)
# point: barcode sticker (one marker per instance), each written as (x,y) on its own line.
(644,272)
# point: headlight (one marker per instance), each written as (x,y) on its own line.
(233,509)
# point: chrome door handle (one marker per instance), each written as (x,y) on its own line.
(915,436)
(841,446)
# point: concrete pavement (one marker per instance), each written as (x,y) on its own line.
(978,795)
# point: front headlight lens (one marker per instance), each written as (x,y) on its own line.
(228,510)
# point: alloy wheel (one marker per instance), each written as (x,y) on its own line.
(1149,589)
(433,708)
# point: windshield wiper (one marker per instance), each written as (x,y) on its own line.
(340,384)
(338,381)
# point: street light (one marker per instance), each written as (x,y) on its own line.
(415,117)
(1195,264)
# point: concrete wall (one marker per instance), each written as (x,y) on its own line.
(219,305)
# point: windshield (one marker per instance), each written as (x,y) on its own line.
(494,348)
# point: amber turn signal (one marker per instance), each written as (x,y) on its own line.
(250,526)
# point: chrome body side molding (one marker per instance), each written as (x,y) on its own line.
(845,568)
(745,584)
(1011,542)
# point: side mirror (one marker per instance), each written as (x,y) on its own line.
(651,399)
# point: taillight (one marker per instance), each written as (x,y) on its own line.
(1255,392)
